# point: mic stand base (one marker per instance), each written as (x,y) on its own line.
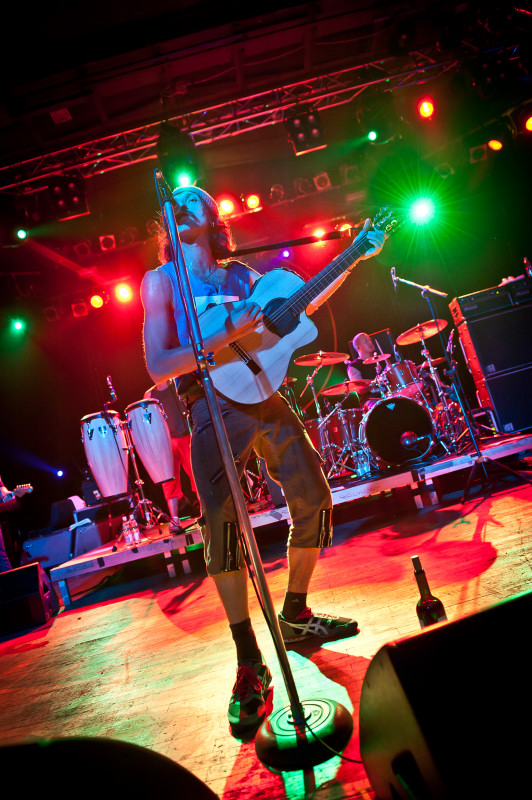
(482,461)
(283,744)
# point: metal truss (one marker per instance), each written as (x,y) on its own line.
(230,118)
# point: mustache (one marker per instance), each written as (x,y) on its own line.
(182,212)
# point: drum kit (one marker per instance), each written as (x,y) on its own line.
(406,411)
(110,444)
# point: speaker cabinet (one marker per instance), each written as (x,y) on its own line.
(27,598)
(444,714)
(498,353)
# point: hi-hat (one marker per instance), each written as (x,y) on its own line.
(375,359)
(422,331)
(315,359)
(347,387)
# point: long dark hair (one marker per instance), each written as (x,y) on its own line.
(220,238)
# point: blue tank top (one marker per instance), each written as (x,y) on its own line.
(236,286)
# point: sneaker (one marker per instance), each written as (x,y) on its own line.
(323,626)
(247,704)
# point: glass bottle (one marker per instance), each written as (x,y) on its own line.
(429,609)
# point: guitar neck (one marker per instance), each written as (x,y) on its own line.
(316,285)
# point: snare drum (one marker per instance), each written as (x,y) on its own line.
(396,430)
(151,436)
(402,378)
(106,451)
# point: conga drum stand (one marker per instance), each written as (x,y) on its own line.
(302,733)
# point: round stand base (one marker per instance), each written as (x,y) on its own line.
(282,745)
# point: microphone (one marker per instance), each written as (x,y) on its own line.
(111,388)
(394,279)
(163,184)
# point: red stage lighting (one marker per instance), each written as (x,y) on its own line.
(96,301)
(226,205)
(425,108)
(252,202)
(123,293)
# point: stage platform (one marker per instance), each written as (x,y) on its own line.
(419,480)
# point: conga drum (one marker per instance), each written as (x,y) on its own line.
(105,447)
(151,437)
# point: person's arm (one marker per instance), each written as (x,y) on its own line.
(165,357)
(353,373)
(377,239)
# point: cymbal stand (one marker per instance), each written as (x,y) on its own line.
(480,460)
(442,399)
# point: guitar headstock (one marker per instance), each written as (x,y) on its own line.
(385,221)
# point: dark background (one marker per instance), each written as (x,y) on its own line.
(55,373)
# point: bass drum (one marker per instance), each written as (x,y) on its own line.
(106,451)
(397,430)
(151,436)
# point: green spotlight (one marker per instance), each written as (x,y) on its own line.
(21,234)
(422,211)
(372,136)
(18,325)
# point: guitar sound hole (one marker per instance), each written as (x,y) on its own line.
(284,322)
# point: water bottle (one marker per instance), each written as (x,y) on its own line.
(127,533)
(135,530)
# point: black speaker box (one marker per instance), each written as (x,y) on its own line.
(58,547)
(444,714)
(510,396)
(499,342)
(27,598)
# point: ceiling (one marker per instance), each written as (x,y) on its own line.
(86,96)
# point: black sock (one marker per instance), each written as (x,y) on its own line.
(247,648)
(294,603)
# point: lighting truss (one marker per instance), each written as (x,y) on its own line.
(230,118)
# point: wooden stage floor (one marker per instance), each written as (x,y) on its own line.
(146,658)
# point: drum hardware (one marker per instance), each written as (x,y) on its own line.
(287,391)
(431,329)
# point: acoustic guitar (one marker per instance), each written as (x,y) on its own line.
(252,368)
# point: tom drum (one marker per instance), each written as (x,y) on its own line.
(402,378)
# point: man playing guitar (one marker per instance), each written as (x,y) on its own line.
(242,324)
(7,499)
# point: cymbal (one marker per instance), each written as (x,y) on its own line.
(423,330)
(347,387)
(315,359)
(375,359)
(433,361)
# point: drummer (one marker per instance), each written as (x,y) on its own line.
(358,370)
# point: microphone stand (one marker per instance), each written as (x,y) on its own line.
(481,460)
(283,740)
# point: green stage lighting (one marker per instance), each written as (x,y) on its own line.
(422,211)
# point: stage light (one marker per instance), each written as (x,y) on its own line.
(107,242)
(495,144)
(285,254)
(305,132)
(97,301)
(123,293)
(252,202)
(422,211)
(68,196)
(319,233)
(425,108)
(59,473)
(277,193)
(377,119)
(18,325)
(79,309)
(226,205)
(177,156)
(21,234)
(322,181)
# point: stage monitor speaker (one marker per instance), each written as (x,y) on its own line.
(510,397)
(27,598)
(497,343)
(444,714)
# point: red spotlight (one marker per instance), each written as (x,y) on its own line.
(123,293)
(226,205)
(97,300)
(252,202)
(495,144)
(425,108)
(319,233)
